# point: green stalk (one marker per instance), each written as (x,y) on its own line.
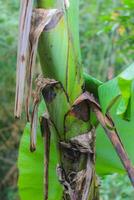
(60,58)
(60,55)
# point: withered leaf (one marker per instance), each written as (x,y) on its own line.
(40,20)
(106,122)
(41,83)
(24,30)
(31,27)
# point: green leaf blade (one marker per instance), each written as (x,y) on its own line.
(31,168)
(121,86)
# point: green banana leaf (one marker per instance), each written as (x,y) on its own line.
(31,168)
(120,88)
(107,160)
(116,96)
(91,84)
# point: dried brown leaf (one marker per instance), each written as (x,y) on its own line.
(24,30)
(31,27)
(106,122)
(41,20)
(41,83)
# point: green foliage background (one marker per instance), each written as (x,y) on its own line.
(106,35)
(107,45)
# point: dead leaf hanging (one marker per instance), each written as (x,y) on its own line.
(30,29)
(42,20)
(24,30)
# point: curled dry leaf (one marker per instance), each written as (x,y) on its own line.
(42,20)
(24,30)
(111,132)
(77,183)
(45,129)
(41,83)
(31,26)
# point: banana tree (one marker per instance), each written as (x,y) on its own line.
(65,107)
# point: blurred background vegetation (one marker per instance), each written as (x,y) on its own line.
(107,45)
